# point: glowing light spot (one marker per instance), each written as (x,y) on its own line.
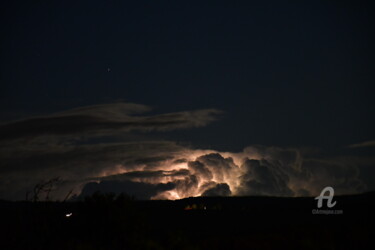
(68,215)
(174,195)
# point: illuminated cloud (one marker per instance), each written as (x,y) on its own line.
(42,148)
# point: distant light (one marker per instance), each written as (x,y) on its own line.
(68,215)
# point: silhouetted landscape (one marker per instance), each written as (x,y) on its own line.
(106,221)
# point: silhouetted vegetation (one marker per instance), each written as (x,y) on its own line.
(109,221)
(44,188)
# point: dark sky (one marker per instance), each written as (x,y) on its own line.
(283,73)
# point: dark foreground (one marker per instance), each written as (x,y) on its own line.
(103,222)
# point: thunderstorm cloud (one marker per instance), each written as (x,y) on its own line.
(92,149)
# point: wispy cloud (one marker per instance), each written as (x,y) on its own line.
(363,144)
(106,119)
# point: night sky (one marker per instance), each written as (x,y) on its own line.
(187,98)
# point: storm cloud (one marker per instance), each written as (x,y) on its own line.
(60,145)
(141,190)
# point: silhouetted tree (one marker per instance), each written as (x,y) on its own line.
(45,187)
